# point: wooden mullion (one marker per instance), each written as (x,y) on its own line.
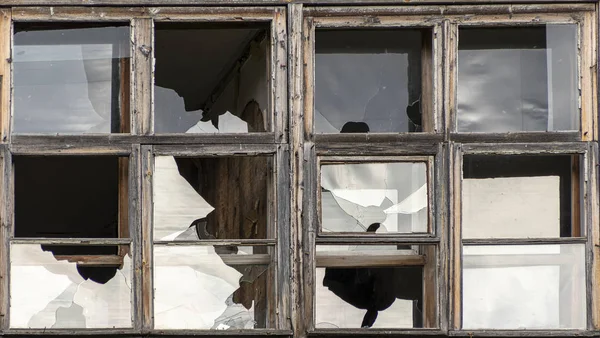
(524,148)
(592,218)
(364,259)
(72,241)
(450,50)
(442,230)
(212,242)
(282,299)
(146,236)
(524,241)
(455,234)
(212,14)
(279,67)
(516,137)
(6,221)
(379,138)
(66,149)
(134,229)
(143,76)
(5,73)
(75,13)
(356,239)
(216,150)
(391,149)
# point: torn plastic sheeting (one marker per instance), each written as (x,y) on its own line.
(104,305)
(204,283)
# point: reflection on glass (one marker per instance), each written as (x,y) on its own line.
(50,290)
(368,81)
(71,79)
(524,287)
(211,78)
(67,196)
(374,197)
(521,196)
(518,79)
(206,287)
(366,286)
(211,198)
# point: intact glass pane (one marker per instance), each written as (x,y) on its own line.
(518,79)
(58,287)
(221,287)
(374,197)
(524,287)
(369,80)
(380,287)
(520,196)
(212,198)
(71,78)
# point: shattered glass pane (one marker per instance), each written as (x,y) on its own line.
(220,84)
(374,197)
(72,196)
(50,290)
(352,293)
(71,79)
(518,79)
(520,197)
(211,198)
(368,81)
(220,288)
(524,287)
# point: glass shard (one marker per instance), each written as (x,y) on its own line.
(220,287)
(390,197)
(72,295)
(211,78)
(524,287)
(368,80)
(518,79)
(71,79)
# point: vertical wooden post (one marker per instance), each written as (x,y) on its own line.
(5,73)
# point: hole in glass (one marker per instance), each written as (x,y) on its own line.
(518,79)
(211,198)
(211,78)
(372,81)
(71,78)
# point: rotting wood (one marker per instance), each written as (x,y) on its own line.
(146,237)
(216,150)
(430,287)
(442,221)
(143,76)
(212,242)
(212,14)
(518,137)
(379,138)
(5,226)
(428,97)
(524,148)
(392,149)
(355,239)
(593,233)
(279,77)
(266,2)
(284,258)
(455,302)
(588,68)
(58,13)
(134,227)
(5,73)
(73,241)
(117,150)
(524,241)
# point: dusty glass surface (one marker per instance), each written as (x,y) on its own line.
(206,287)
(524,287)
(211,78)
(70,295)
(521,197)
(368,80)
(374,197)
(67,196)
(518,79)
(351,292)
(211,198)
(71,79)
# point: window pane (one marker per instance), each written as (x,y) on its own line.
(524,287)
(212,198)
(370,80)
(521,197)
(71,78)
(379,287)
(212,78)
(70,196)
(65,287)
(518,79)
(374,197)
(206,287)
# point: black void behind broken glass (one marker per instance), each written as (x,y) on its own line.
(71,78)
(518,79)
(371,80)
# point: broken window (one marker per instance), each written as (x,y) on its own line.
(71,78)
(521,196)
(69,196)
(390,286)
(372,80)
(220,287)
(524,287)
(392,195)
(78,287)
(212,78)
(518,79)
(212,198)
